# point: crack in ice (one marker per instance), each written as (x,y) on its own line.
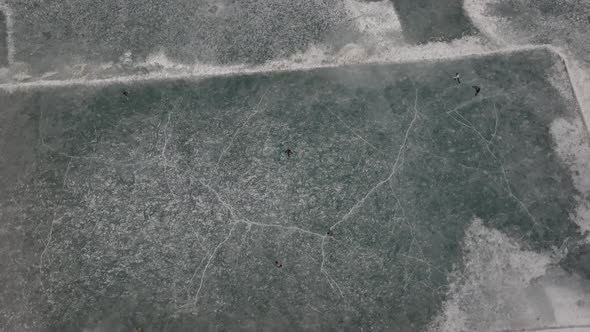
(507,185)
(496,125)
(237,220)
(394,168)
(209,262)
(256,110)
(164,147)
(360,202)
(50,234)
(242,220)
(355,133)
(290,228)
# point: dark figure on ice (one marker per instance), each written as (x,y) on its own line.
(289,152)
(457,78)
(477,89)
(279,265)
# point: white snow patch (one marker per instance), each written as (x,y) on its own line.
(377,19)
(559,79)
(503,287)
(494,278)
(579,75)
(126,59)
(351,53)
(573,148)
(495,28)
(571,305)
(159,59)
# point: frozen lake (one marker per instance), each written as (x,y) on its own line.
(168,204)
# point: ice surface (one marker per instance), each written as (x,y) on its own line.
(146,184)
(426,21)
(3,40)
(57,33)
(166,204)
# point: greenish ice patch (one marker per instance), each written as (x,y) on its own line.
(172,205)
(425,21)
(3,40)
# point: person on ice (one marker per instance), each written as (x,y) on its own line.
(477,89)
(457,78)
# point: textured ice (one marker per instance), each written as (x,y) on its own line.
(166,204)
(145,183)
